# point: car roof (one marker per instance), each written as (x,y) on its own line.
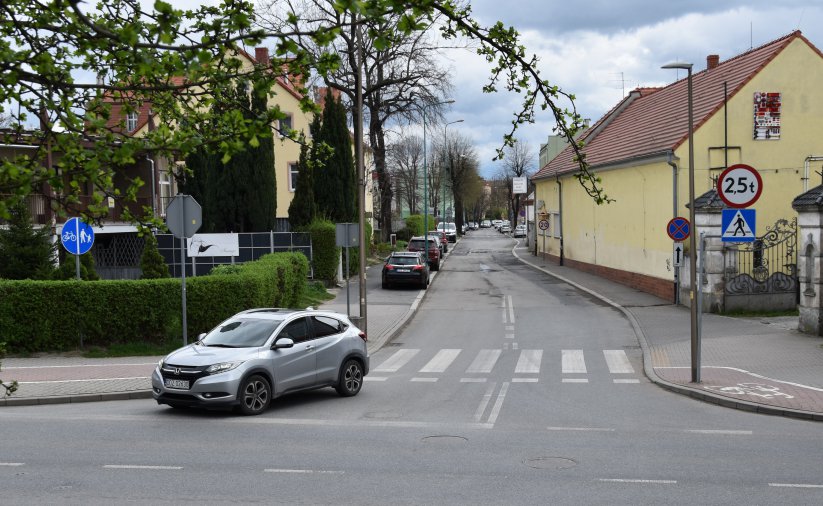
(405,254)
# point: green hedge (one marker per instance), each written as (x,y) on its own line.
(325,252)
(38,316)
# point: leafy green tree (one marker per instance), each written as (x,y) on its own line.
(335,183)
(68,268)
(302,209)
(151,261)
(177,62)
(25,252)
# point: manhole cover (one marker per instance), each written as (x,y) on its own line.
(445,439)
(550,463)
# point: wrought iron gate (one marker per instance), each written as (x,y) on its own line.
(762,275)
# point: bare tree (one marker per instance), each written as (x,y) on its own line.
(399,76)
(405,157)
(519,161)
(461,173)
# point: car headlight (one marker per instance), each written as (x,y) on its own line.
(160,363)
(222,367)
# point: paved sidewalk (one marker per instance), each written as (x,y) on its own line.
(757,364)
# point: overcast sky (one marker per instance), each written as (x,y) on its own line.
(600,49)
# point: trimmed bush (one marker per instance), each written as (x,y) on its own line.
(324,250)
(38,316)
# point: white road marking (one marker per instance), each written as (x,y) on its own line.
(151,468)
(729,432)
(573,362)
(795,485)
(582,429)
(514,346)
(509,328)
(484,362)
(627,381)
(529,362)
(424,380)
(524,380)
(656,482)
(498,404)
(396,361)
(73,366)
(472,380)
(618,362)
(78,380)
(441,361)
(575,380)
(511,309)
(302,471)
(12,464)
(303,422)
(478,415)
(509,336)
(375,378)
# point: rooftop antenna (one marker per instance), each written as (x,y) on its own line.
(751,35)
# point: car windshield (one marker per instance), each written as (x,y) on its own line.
(418,244)
(241,333)
(403,260)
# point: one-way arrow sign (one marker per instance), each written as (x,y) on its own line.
(678,254)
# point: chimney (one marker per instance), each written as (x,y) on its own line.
(712,61)
(261,54)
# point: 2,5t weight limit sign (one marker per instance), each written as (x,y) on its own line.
(739,186)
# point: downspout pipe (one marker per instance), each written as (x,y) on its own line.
(670,160)
(560,214)
(153,188)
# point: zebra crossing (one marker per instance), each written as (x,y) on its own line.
(527,369)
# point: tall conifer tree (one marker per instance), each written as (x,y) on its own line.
(303,209)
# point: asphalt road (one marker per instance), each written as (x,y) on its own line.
(506,387)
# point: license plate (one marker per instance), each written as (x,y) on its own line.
(177,384)
(403,270)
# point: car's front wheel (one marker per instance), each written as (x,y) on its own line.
(255,395)
(351,378)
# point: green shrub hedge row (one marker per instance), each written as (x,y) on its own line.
(39,316)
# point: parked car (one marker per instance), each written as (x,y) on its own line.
(444,241)
(496,223)
(505,229)
(450,229)
(418,244)
(473,225)
(485,224)
(405,267)
(260,354)
(519,231)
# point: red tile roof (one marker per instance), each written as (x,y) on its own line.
(652,121)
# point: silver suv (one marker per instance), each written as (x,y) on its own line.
(260,354)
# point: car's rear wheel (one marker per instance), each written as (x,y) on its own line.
(385,284)
(351,378)
(255,395)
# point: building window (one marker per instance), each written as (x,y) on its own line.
(131,121)
(293,173)
(285,125)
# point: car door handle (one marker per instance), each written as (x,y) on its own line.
(309,347)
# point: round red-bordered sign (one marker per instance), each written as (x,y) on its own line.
(739,186)
(678,228)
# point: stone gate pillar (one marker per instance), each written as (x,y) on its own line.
(809,207)
(708,221)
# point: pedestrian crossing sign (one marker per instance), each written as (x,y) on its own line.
(738,225)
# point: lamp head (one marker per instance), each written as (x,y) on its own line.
(678,65)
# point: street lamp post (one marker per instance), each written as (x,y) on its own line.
(695,333)
(426,179)
(446,139)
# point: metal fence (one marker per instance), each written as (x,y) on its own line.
(252,246)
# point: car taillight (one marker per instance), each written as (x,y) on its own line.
(418,267)
(363,336)
(389,267)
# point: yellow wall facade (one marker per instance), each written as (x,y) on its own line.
(629,234)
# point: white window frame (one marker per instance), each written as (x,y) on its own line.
(293,171)
(131,121)
(284,124)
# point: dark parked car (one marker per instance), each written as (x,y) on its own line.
(444,241)
(405,267)
(418,244)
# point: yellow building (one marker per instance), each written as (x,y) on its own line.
(763,108)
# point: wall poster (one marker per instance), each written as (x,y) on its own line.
(766,116)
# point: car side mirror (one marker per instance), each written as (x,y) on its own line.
(201,336)
(283,342)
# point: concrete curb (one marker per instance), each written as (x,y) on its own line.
(648,368)
(74,399)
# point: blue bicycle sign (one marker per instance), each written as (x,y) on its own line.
(77,237)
